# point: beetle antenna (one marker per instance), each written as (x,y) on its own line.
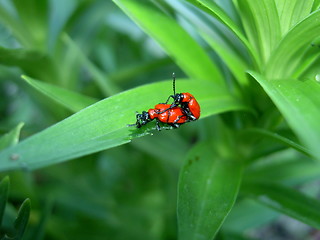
(174,83)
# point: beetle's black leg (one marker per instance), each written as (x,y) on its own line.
(158,125)
(171,96)
(187,112)
(178,118)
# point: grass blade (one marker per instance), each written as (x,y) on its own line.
(299,103)
(104,125)
(11,138)
(187,53)
(287,201)
(208,187)
(71,100)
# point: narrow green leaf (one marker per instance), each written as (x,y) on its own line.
(11,138)
(4,191)
(107,87)
(237,66)
(173,38)
(15,27)
(21,222)
(213,9)
(261,23)
(104,125)
(295,171)
(299,103)
(286,200)
(279,138)
(208,187)
(287,56)
(316,5)
(33,17)
(248,214)
(71,100)
(291,12)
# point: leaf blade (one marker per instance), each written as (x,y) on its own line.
(173,38)
(69,99)
(208,187)
(11,138)
(104,125)
(298,101)
(287,201)
(286,57)
(213,9)
(261,23)
(4,192)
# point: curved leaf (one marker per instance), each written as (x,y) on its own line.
(213,9)
(71,100)
(20,224)
(299,102)
(208,187)
(4,192)
(287,56)
(261,23)
(286,200)
(173,38)
(11,138)
(291,12)
(104,124)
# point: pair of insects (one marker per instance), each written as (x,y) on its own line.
(184,108)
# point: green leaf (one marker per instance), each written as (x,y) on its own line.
(291,12)
(15,27)
(4,191)
(104,125)
(286,200)
(33,17)
(71,100)
(105,84)
(187,53)
(21,222)
(287,56)
(213,9)
(248,214)
(294,171)
(279,138)
(261,23)
(208,187)
(316,5)
(237,66)
(299,103)
(11,138)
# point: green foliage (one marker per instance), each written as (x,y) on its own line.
(208,188)
(21,221)
(87,68)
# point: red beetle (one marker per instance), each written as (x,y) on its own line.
(172,116)
(184,108)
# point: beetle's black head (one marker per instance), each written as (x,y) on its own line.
(178,97)
(142,119)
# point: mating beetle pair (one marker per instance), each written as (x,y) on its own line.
(184,108)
